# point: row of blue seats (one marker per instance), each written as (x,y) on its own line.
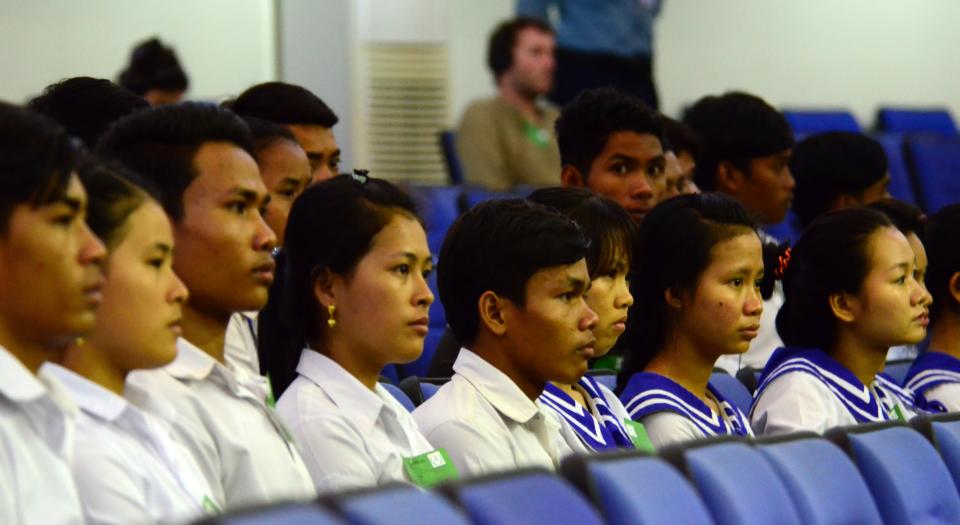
(936,121)
(867,474)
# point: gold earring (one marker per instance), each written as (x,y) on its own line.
(331,322)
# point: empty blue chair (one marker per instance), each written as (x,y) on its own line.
(399,396)
(897,370)
(901,186)
(439,206)
(806,122)
(524,497)
(736,483)
(398,505)
(281,514)
(815,473)
(943,432)
(908,480)
(631,488)
(448,145)
(899,120)
(936,167)
(732,390)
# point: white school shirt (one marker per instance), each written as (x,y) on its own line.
(807,390)
(127,469)
(350,436)
(766,342)
(240,344)
(36,427)
(487,424)
(243,449)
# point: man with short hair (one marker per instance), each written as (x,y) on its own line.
(200,158)
(508,140)
(306,116)
(523,321)
(50,279)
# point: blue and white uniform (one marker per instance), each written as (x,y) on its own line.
(671,413)
(804,389)
(934,380)
(600,426)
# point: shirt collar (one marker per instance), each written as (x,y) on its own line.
(344,390)
(89,396)
(191,362)
(495,387)
(18,384)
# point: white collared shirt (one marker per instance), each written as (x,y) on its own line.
(243,449)
(487,424)
(350,436)
(36,433)
(127,469)
(240,344)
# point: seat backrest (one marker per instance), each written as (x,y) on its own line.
(749,377)
(439,206)
(448,145)
(400,396)
(908,480)
(899,120)
(525,498)
(936,166)
(604,376)
(279,514)
(786,230)
(732,390)
(901,183)
(805,122)
(399,506)
(637,489)
(815,472)
(738,485)
(948,443)
(897,369)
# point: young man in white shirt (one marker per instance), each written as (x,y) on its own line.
(50,280)
(199,158)
(512,278)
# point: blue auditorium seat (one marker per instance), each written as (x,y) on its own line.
(732,390)
(280,514)
(400,396)
(936,168)
(786,230)
(901,185)
(633,488)
(815,472)
(390,373)
(908,479)
(897,370)
(439,207)
(448,145)
(477,195)
(899,120)
(420,389)
(398,505)
(807,122)
(735,481)
(943,431)
(523,497)
(604,376)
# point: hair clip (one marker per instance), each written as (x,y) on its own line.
(360,176)
(784,261)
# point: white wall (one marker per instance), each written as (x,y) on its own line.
(224,45)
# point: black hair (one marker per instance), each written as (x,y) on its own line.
(114,193)
(673,250)
(498,246)
(734,127)
(832,256)
(160,144)
(586,123)
(266,134)
(605,223)
(86,106)
(504,39)
(905,216)
(332,225)
(153,66)
(940,241)
(37,158)
(283,103)
(829,165)
(680,137)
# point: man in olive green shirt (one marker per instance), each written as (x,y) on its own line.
(509,140)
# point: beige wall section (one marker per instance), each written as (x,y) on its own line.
(225,45)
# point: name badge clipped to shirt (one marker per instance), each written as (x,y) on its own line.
(638,435)
(536,134)
(430,469)
(210,507)
(896,413)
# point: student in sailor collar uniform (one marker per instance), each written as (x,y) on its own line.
(596,416)
(699,269)
(851,294)
(935,375)
(127,466)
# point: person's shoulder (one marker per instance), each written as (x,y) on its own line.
(457,400)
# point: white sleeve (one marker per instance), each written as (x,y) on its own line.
(792,403)
(947,393)
(472,451)
(334,454)
(108,490)
(667,428)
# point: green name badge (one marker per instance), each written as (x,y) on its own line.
(638,434)
(430,469)
(210,506)
(896,413)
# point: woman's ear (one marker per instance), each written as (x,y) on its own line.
(491,313)
(953,286)
(843,306)
(673,300)
(324,280)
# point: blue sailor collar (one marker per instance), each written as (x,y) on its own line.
(647,393)
(599,427)
(931,369)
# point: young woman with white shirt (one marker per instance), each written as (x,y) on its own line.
(851,294)
(596,416)
(128,468)
(697,286)
(354,299)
